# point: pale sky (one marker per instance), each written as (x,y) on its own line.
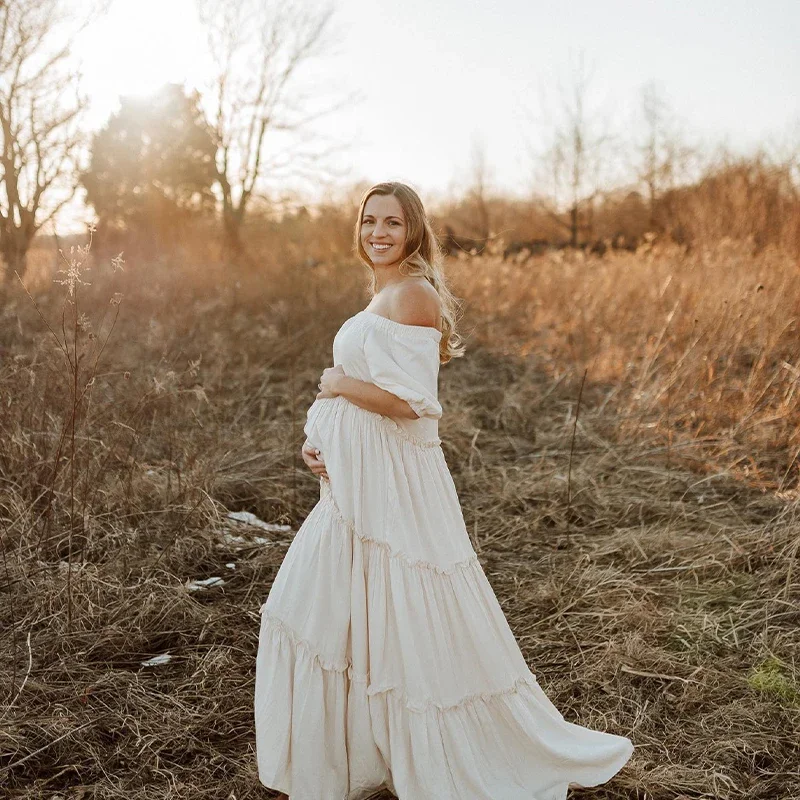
(435,75)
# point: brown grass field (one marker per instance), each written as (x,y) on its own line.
(624,435)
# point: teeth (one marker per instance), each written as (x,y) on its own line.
(381,246)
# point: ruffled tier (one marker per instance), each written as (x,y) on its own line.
(380,668)
(327,736)
(436,636)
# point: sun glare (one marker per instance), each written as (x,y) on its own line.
(137,47)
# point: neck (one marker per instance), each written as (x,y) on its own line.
(387,276)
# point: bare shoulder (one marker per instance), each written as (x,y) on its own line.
(416,302)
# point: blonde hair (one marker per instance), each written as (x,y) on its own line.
(423,258)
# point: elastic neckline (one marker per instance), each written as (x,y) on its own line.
(389,324)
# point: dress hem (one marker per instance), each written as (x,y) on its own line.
(597,774)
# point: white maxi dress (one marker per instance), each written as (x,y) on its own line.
(384,657)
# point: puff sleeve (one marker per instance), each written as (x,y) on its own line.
(405,361)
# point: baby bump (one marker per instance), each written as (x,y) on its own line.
(389,487)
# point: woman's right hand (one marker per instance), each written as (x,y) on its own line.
(314,460)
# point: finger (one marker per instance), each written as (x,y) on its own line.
(310,451)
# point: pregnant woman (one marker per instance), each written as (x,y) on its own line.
(385,659)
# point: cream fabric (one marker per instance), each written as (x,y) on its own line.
(404,363)
(384,658)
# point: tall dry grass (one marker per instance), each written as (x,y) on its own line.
(700,351)
(644,545)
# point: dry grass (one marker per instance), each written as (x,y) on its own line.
(651,577)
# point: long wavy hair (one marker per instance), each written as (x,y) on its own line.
(422,257)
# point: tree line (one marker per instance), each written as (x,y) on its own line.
(161,164)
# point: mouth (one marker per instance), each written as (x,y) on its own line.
(380,248)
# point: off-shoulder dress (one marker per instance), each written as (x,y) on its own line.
(384,657)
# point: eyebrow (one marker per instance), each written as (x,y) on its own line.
(391,216)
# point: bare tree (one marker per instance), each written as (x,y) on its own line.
(259,49)
(40,111)
(577,157)
(663,157)
(477,193)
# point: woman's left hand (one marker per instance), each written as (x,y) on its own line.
(329,382)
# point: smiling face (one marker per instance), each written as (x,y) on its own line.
(383,230)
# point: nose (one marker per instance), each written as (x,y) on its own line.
(378,230)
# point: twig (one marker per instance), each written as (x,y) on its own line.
(642,673)
(24,680)
(571,450)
